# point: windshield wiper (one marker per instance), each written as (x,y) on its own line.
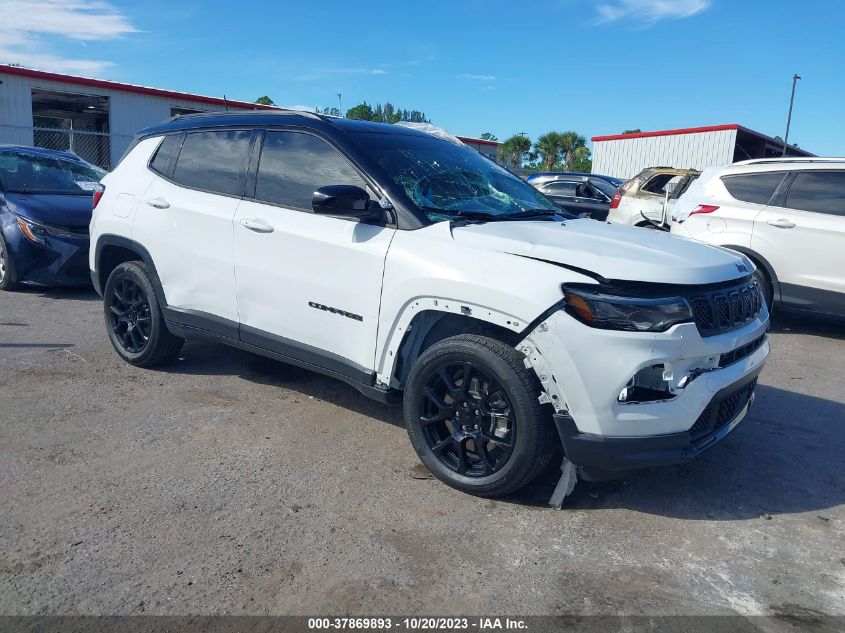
(536,213)
(461,214)
(483,216)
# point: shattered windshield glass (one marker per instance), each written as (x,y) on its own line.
(444,179)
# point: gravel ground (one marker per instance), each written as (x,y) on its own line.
(229,484)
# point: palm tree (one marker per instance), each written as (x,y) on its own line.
(513,150)
(549,147)
(573,146)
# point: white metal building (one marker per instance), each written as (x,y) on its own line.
(489,148)
(92,117)
(625,155)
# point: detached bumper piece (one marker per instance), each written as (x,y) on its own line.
(602,456)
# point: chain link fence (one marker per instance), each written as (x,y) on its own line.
(100,148)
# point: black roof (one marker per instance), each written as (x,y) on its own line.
(271,118)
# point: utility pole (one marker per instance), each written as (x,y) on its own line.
(795,79)
(340,103)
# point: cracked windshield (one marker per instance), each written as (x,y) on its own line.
(446,180)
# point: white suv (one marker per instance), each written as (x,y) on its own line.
(787,215)
(415,269)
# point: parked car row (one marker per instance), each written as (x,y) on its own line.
(785,214)
(418,271)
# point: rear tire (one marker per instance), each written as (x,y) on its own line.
(488,435)
(7,269)
(134,321)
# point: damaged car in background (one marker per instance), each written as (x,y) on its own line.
(411,267)
(647,199)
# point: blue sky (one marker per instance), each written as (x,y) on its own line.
(471,65)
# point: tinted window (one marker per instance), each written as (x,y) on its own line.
(30,173)
(165,152)
(214,161)
(605,187)
(560,188)
(756,188)
(294,165)
(819,191)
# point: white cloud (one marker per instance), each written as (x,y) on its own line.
(477,77)
(322,73)
(649,12)
(28,26)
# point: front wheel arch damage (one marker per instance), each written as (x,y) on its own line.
(429,327)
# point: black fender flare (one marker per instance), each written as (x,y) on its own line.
(131,245)
(764,263)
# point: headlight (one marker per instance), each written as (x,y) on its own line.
(31,231)
(613,312)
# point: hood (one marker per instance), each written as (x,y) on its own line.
(613,251)
(60,210)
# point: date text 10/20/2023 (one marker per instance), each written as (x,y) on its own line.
(417,624)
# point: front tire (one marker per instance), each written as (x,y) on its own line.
(7,270)
(765,286)
(474,418)
(134,322)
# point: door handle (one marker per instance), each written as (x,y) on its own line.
(158,203)
(782,224)
(256,225)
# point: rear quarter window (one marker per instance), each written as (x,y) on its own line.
(165,153)
(818,191)
(754,188)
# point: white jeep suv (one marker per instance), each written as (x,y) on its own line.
(415,269)
(787,215)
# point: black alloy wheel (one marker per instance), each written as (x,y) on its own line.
(468,421)
(134,320)
(474,416)
(131,319)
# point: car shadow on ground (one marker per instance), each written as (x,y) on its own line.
(207,357)
(785,457)
(77,293)
(796,322)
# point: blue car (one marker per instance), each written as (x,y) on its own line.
(45,209)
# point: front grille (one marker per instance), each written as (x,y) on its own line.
(725,310)
(719,413)
(739,353)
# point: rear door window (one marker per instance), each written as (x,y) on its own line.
(214,161)
(560,188)
(294,165)
(755,188)
(818,191)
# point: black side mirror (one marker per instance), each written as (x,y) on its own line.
(346,201)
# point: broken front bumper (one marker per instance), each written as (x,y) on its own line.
(583,371)
(600,454)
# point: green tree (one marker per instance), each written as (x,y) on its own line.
(573,146)
(487,136)
(330,111)
(513,150)
(582,161)
(634,131)
(548,149)
(265,100)
(361,111)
